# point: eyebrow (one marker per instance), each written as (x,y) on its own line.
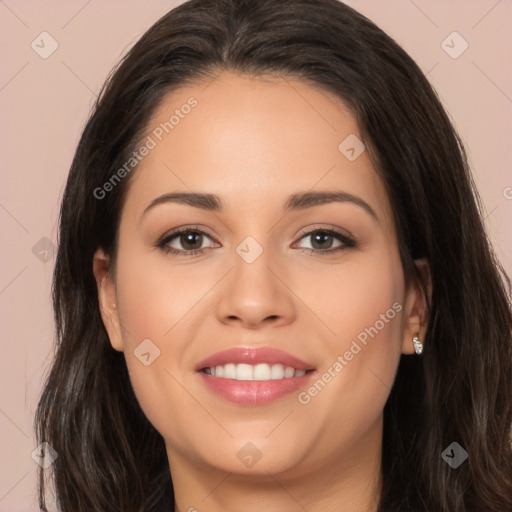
(300,201)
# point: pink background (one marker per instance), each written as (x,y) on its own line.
(44,104)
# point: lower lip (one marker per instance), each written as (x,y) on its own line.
(254,392)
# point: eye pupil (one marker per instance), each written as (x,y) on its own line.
(188,238)
(321,237)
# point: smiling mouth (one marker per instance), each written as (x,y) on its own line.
(260,372)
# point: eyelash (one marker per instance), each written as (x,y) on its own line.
(347,241)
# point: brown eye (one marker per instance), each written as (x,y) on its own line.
(184,241)
(323,240)
(191,240)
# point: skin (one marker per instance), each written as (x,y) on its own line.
(254,142)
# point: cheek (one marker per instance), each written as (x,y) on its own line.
(365,348)
(167,304)
(366,311)
(368,324)
(155,296)
(155,307)
(354,301)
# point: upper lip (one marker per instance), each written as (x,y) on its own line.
(253,356)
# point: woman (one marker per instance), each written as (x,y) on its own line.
(273,288)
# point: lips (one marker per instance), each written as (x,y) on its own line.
(254,392)
(253,356)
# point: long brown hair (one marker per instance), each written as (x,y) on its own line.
(459,390)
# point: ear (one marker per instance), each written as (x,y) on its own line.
(107,298)
(416,313)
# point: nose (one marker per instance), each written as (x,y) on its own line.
(256,294)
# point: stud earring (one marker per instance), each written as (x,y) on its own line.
(418,346)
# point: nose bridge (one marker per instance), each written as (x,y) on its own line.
(252,278)
(253,292)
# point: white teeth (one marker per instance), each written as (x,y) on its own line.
(244,372)
(230,371)
(289,372)
(277,371)
(262,371)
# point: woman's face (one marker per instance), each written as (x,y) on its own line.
(282,267)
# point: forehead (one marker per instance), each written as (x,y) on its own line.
(253,138)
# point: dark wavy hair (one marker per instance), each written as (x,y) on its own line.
(110,458)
